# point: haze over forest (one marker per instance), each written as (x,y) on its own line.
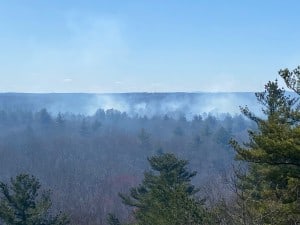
(82,145)
(134,104)
(143,112)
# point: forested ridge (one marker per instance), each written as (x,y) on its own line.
(165,170)
(89,159)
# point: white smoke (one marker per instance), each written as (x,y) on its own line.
(173,104)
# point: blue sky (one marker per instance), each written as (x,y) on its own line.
(145,45)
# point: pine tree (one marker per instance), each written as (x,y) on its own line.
(291,78)
(272,184)
(144,140)
(113,220)
(60,120)
(166,195)
(21,204)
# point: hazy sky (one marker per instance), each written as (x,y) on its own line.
(145,45)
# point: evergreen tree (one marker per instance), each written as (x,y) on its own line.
(144,140)
(60,120)
(291,78)
(21,204)
(44,117)
(84,128)
(113,220)
(222,136)
(166,195)
(272,185)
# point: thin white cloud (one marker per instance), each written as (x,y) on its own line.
(91,49)
(67,80)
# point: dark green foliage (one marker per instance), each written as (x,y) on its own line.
(113,220)
(166,195)
(21,204)
(271,187)
(291,78)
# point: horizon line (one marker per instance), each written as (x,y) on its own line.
(134,92)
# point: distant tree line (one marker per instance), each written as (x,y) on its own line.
(88,160)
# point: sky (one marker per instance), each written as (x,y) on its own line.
(146,45)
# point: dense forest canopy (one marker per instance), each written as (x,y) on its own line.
(88,159)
